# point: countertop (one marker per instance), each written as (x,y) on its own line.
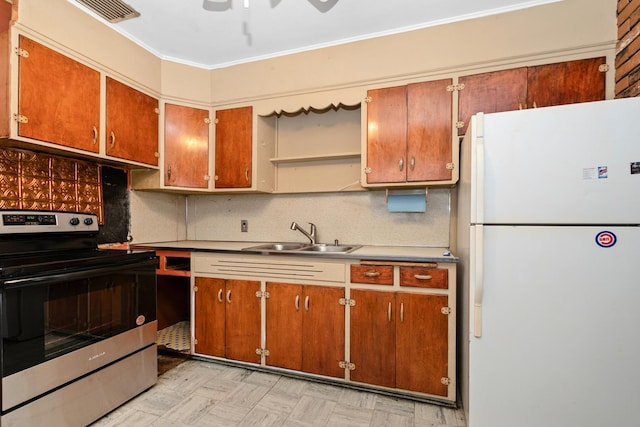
(366,252)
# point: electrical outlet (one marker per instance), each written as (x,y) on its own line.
(244,225)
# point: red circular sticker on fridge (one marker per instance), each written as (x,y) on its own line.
(606,239)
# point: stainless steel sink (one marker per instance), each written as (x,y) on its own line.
(329,248)
(302,248)
(276,247)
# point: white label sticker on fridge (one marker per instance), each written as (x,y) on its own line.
(589,173)
(601,172)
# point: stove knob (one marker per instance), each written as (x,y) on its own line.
(88,221)
(74,221)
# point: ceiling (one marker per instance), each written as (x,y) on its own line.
(219,33)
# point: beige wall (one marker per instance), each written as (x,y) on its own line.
(540,34)
(546,33)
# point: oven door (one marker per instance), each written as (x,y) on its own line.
(60,326)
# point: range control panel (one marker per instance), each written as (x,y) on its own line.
(38,222)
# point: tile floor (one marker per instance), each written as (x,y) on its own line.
(203,393)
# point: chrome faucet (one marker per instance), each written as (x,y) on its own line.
(311,235)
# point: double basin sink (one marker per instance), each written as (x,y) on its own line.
(302,248)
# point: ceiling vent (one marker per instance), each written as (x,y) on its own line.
(111,10)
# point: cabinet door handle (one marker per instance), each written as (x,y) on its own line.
(229,296)
(95,134)
(372,273)
(169,173)
(246,174)
(389,313)
(401,164)
(297,303)
(402,312)
(412,163)
(220,295)
(113,139)
(422,276)
(306,303)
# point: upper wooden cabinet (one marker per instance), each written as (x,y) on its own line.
(530,87)
(566,82)
(58,98)
(234,129)
(186,146)
(132,124)
(409,134)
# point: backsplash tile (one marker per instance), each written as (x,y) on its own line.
(39,181)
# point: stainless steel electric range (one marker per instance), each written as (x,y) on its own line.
(78,323)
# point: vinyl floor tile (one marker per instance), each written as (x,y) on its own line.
(198,393)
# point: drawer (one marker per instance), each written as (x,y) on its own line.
(374,274)
(174,263)
(424,277)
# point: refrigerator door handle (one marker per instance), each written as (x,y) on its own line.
(478,285)
(479,172)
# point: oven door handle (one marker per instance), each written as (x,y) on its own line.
(80,274)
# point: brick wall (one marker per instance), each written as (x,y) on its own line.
(628,50)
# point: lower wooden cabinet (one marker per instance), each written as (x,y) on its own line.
(305,328)
(227,318)
(400,340)
(387,324)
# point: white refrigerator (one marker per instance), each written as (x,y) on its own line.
(549,243)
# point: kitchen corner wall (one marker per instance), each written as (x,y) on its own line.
(157,217)
(351,217)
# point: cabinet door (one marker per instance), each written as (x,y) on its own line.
(491,93)
(429,109)
(242,320)
(233,147)
(323,331)
(566,83)
(422,343)
(373,337)
(284,325)
(132,124)
(186,146)
(209,316)
(58,97)
(387,135)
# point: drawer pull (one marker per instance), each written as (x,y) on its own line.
(297,303)
(372,273)
(220,295)
(401,312)
(389,313)
(422,276)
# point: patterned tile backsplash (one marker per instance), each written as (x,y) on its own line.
(40,181)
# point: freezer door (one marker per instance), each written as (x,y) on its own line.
(559,319)
(570,164)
